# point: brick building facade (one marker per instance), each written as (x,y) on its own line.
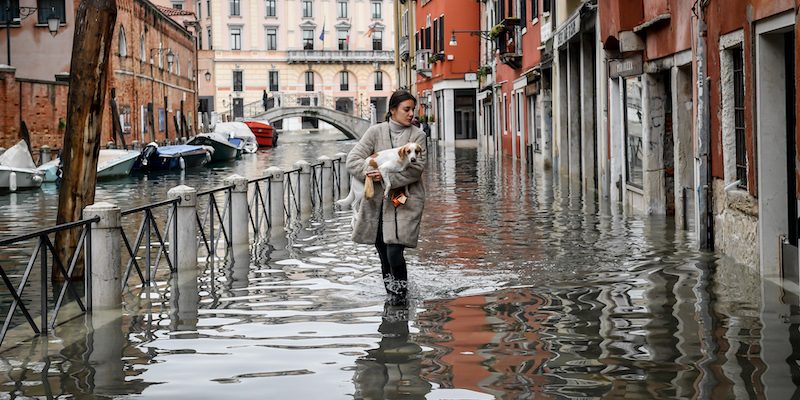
(139,75)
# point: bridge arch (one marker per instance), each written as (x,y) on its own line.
(352,126)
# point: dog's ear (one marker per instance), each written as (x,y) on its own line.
(402,152)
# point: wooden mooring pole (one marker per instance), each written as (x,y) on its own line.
(91,48)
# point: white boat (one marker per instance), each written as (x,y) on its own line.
(111,163)
(17,169)
(239,130)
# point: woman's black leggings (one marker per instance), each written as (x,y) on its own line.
(393,264)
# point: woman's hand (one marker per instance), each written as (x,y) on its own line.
(375,175)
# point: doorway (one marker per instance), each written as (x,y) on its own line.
(238,108)
(465,115)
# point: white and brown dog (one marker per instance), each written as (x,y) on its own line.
(386,161)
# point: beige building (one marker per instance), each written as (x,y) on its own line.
(333,53)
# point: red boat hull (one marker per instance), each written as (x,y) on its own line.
(265,135)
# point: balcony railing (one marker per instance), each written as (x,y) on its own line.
(340,56)
(404,48)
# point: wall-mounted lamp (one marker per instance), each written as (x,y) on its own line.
(486,35)
(207,75)
(170,54)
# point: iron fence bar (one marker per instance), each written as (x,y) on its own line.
(229,211)
(147,247)
(336,190)
(163,247)
(131,260)
(202,238)
(37,234)
(67,275)
(17,293)
(133,252)
(150,206)
(43,285)
(315,186)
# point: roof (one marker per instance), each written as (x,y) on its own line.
(173,12)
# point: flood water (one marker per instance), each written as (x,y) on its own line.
(522,288)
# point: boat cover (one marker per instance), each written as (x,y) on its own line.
(178,149)
(18,156)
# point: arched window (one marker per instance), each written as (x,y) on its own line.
(123,44)
(177,65)
(142,54)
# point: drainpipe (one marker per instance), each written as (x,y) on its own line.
(704,223)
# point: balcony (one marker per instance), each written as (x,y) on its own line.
(340,56)
(508,43)
(404,48)
(423,65)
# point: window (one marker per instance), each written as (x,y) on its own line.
(377,40)
(534,9)
(378,80)
(633,131)
(308,39)
(238,81)
(376,10)
(344,81)
(123,44)
(308,9)
(341,10)
(273,81)
(176,65)
(236,38)
(272,39)
(47,7)
(199,7)
(142,54)
(208,12)
(738,111)
(441,34)
(210,45)
(200,40)
(236,8)
(309,81)
(178,5)
(271,8)
(343,38)
(13,14)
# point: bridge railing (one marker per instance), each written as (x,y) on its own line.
(283,99)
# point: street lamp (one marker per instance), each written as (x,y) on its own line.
(207,75)
(53,21)
(487,35)
(160,50)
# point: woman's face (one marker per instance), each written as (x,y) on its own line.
(404,112)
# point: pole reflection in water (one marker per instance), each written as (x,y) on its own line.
(393,369)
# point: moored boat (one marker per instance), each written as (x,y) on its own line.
(266,136)
(177,157)
(17,169)
(224,150)
(240,131)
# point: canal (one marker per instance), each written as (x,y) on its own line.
(522,287)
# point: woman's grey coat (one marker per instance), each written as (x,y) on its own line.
(400,224)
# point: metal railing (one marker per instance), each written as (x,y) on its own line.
(44,248)
(147,228)
(260,204)
(208,237)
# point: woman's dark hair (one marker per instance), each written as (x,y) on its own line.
(398,97)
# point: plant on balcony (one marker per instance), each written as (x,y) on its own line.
(497,30)
(434,58)
(483,71)
(511,21)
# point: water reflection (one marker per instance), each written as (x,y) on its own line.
(393,369)
(523,287)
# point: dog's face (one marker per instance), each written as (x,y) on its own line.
(410,150)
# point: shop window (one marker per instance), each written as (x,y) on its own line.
(633,131)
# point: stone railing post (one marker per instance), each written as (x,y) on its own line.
(239,213)
(303,186)
(327,180)
(275,200)
(185,245)
(44,154)
(344,176)
(106,256)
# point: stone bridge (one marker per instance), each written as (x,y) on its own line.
(352,126)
